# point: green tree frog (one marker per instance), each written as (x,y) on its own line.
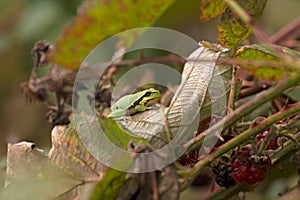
(133,103)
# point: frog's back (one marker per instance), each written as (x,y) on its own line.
(124,103)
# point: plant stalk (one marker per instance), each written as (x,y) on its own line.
(191,173)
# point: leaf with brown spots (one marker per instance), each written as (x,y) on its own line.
(69,154)
(96,20)
(263,54)
(232,31)
(211,8)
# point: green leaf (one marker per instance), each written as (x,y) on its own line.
(211,8)
(232,31)
(117,135)
(294,93)
(97,20)
(262,53)
(109,186)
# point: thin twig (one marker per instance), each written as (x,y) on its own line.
(245,109)
(232,93)
(288,33)
(191,173)
(260,35)
(288,149)
(170,58)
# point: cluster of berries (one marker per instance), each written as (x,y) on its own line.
(223,171)
(249,168)
(242,167)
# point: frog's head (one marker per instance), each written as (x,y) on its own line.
(150,97)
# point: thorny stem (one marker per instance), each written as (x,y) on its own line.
(171,58)
(245,109)
(288,149)
(246,18)
(178,60)
(289,146)
(287,35)
(227,193)
(191,173)
(242,124)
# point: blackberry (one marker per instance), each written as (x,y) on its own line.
(223,172)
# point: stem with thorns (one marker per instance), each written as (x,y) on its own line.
(191,173)
(260,35)
(280,154)
(245,109)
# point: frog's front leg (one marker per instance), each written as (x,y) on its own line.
(141,108)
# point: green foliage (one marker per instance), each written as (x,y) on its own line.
(117,134)
(264,54)
(211,9)
(294,93)
(109,186)
(95,22)
(232,31)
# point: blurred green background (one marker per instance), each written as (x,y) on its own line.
(23,22)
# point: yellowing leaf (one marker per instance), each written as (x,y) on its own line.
(262,53)
(232,31)
(97,20)
(69,154)
(211,9)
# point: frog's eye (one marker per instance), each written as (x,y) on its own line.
(148,94)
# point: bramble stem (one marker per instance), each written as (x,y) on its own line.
(260,35)
(191,173)
(281,153)
(245,109)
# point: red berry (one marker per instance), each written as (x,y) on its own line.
(244,170)
(251,169)
(255,175)
(240,171)
(235,164)
(251,180)
(261,178)
(237,176)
